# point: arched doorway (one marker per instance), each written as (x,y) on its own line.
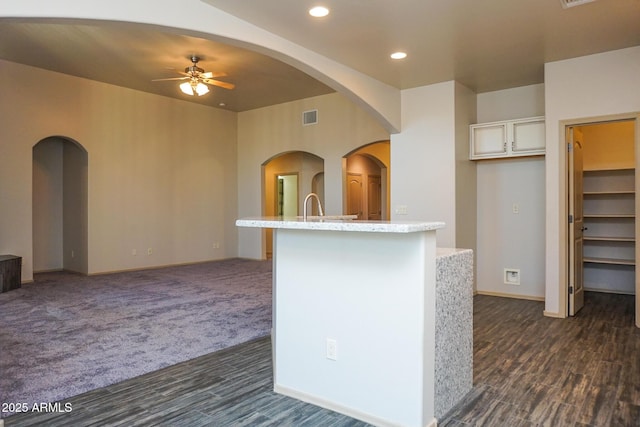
(287,179)
(59,191)
(366,173)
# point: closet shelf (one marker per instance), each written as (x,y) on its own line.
(632,169)
(609,216)
(609,239)
(615,261)
(608,193)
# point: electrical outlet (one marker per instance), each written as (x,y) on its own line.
(332,349)
(73,254)
(149,251)
(134,252)
(401,209)
(515,208)
(216,245)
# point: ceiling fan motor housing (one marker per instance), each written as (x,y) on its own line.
(194,69)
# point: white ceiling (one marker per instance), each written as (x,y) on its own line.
(484,44)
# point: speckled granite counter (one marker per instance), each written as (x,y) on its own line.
(355,317)
(339,223)
(454,327)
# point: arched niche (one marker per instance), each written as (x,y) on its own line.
(287,178)
(366,181)
(59,192)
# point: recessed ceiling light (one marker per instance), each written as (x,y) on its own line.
(398,55)
(318,11)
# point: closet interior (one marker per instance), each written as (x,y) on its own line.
(609,202)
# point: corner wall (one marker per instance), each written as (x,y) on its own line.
(423,178)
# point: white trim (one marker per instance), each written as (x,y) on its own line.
(552,314)
(563,253)
(332,406)
(514,296)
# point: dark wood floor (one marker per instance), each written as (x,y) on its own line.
(536,371)
(529,371)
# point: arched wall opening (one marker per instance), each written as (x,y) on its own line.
(287,178)
(366,181)
(380,100)
(59,192)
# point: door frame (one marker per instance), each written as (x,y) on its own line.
(564,212)
(576,274)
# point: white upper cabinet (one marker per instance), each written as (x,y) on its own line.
(510,138)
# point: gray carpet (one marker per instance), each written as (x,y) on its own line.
(66,334)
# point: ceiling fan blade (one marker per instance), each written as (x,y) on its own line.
(210,75)
(170,78)
(219,83)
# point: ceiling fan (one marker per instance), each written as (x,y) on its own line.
(197,80)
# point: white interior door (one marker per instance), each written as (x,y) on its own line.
(576,222)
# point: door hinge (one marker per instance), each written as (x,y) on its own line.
(570,219)
(569,146)
(570,290)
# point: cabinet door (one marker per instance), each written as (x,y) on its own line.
(528,137)
(489,140)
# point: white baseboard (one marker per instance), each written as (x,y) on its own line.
(514,296)
(609,291)
(553,314)
(332,406)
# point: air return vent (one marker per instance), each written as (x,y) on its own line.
(566,4)
(310,117)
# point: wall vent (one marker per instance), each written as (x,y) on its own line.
(310,117)
(511,276)
(566,4)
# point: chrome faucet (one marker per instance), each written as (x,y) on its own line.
(304,208)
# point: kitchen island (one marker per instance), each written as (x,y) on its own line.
(355,315)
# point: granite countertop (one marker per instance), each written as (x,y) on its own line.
(339,223)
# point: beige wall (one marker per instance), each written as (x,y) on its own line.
(466,173)
(48,205)
(161,172)
(609,145)
(264,132)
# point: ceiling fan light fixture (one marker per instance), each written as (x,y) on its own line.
(194,88)
(186,88)
(201,89)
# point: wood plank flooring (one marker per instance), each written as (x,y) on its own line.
(535,371)
(232,387)
(528,371)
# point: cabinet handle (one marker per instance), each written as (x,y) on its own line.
(504,148)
